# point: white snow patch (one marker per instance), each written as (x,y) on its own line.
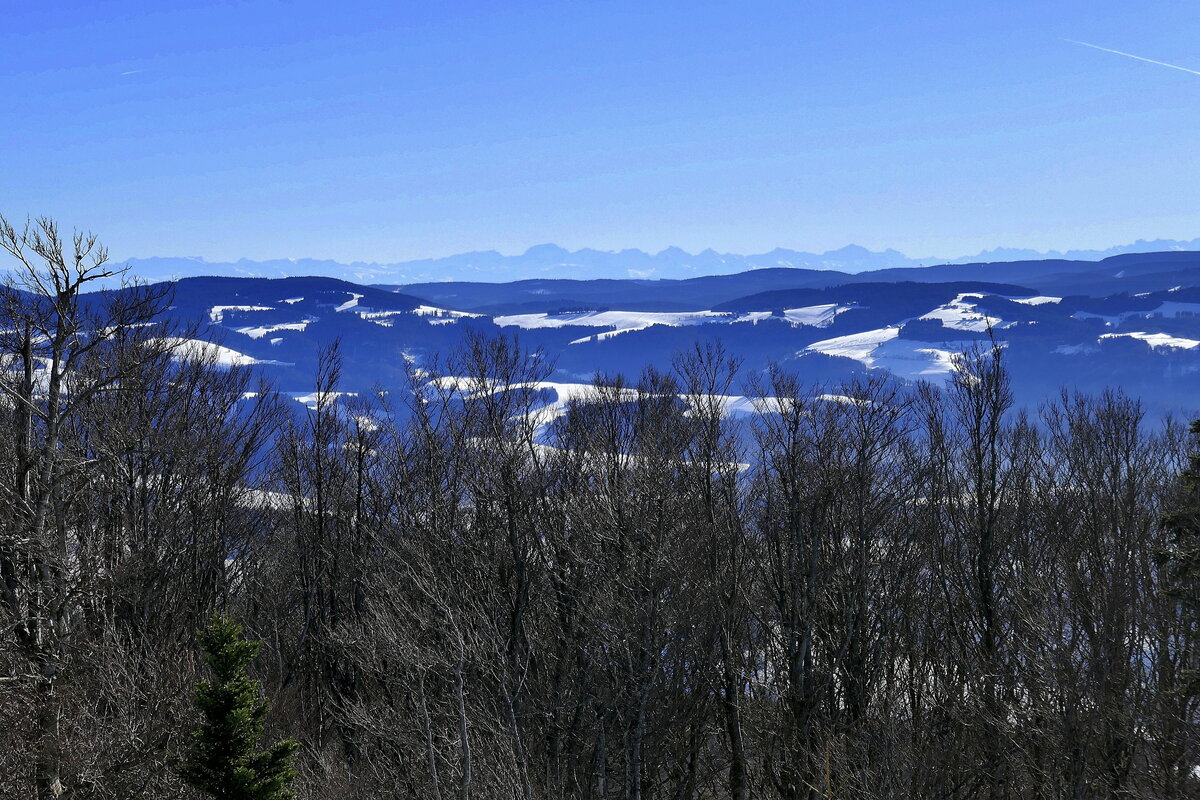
(1156,340)
(598,337)
(272,501)
(543,414)
(626,321)
(434,311)
(755,317)
(1040,300)
(622,320)
(961,315)
(351,303)
(566,393)
(222,356)
(917,360)
(821,316)
(292,300)
(259,331)
(381,318)
(366,423)
(859,346)
(904,358)
(433,315)
(217,313)
(842,399)
(733,405)
(313,398)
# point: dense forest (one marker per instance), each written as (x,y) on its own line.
(865,591)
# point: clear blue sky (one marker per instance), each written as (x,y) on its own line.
(386,131)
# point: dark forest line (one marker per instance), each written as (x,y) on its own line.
(867,591)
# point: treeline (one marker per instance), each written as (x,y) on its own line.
(873,591)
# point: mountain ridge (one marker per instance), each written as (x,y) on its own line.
(554,262)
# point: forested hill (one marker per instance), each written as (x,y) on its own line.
(1130,320)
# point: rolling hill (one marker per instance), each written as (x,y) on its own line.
(1130,320)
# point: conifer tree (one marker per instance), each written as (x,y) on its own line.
(225,760)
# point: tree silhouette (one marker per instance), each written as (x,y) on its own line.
(1183,557)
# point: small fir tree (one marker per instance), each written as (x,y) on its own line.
(225,760)
(1183,558)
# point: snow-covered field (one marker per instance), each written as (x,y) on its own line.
(859,346)
(962,315)
(1040,300)
(620,322)
(217,313)
(441,313)
(1156,340)
(821,316)
(220,355)
(883,349)
(259,331)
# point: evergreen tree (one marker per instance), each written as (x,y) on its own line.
(225,760)
(1183,558)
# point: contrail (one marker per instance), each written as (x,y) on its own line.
(1131,55)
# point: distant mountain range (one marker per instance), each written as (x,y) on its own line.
(551,261)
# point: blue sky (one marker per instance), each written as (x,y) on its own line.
(388,131)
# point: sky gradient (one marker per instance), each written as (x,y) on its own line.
(392,131)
